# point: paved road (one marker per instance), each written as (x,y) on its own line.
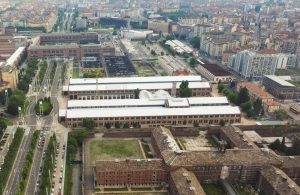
(88,172)
(15,176)
(31,187)
(77,173)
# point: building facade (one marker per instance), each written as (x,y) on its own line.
(150,112)
(253,65)
(280,88)
(126,87)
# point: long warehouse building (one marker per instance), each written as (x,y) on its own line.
(124,88)
(150,112)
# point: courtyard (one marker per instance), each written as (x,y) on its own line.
(110,149)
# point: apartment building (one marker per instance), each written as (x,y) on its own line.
(214,43)
(158,26)
(252,65)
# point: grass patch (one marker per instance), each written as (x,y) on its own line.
(213,189)
(296,83)
(75,73)
(45,107)
(75,139)
(114,189)
(242,190)
(141,189)
(147,149)
(6,121)
(289,71)
(211,142)
(112,149)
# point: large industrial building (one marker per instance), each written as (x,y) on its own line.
(280,87)
(124,88)
(151,112)
(66,45)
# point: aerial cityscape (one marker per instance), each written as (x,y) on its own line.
(150,97)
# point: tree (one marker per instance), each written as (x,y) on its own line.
(222,123)
(281,114)
(126,125)
(246,106)
(16,100)
(276,145)
(88,123)
(153,52)
(193,62)
(220,87)
(170,37)
(136,93)
(257,107)
(196,124)
(295,149)
(195,42)
(115,32)
(162,53)
(117,125)
(184,90)
(243,96)
(108,125)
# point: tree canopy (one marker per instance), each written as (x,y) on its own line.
(89,123)
(184,90)
(195,42)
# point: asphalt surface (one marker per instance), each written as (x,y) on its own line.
(38,158)
(15,177)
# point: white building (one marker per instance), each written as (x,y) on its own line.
(253,65)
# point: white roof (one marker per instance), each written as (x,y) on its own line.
(127,80)
(153,111)
(280,81)
(178,102)
(173,102)
(133,86)
(12,59)
(114,103)
(208,100)
(160,94)
(62,112)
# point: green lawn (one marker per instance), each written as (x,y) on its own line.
(114,149)
(213,189)
(46,106)
(296,83)
(285,72)
(75,73)
(7,121)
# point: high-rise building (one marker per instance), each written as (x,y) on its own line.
(255,64)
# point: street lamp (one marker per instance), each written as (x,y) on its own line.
(41,107)
(20,117)
(6,96)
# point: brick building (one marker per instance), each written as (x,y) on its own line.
(124,88)
(71,45)
(131,172)
(150,112)
(184,170)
